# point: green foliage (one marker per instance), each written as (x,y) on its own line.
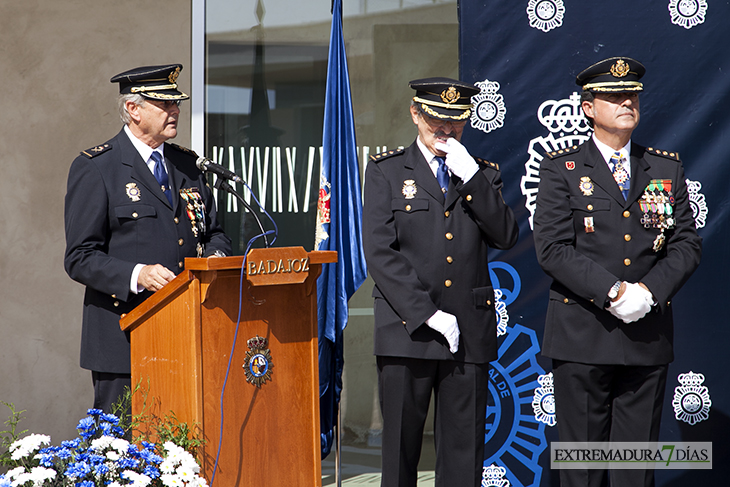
(7,437)
(147,426)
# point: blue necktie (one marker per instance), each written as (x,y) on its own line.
(442,174)
(620,175)
(161,175)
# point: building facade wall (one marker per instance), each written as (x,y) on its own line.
(56,58)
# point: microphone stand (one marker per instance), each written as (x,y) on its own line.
(222,184)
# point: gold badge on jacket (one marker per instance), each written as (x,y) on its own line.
(132,191)
(586,186)
(409,189)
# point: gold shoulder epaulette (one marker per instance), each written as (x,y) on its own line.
(485,162)
(663,153)
(95,151)
(385,155)
(183,149)
(562,152)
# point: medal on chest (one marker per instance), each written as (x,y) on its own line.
(195,209)
(657,208)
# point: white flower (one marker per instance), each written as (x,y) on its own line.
(101,443)
(40,474)
(137,479)
(113,456)
(12,474)
(167,466)
(171,480)
(115,484)
(24,446)
(120,445)
(185,473)
(198,482)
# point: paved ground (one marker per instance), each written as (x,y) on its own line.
(361,466)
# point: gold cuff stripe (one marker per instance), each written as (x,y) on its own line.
(436,114)
(143,89)
(442,105)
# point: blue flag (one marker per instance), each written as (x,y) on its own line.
(339,227)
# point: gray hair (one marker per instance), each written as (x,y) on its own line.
(122,103)
(588,96)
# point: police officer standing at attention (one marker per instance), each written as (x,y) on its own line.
(614,229)
(431,212)
(135,207)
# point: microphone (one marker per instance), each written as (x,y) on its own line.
(206,165)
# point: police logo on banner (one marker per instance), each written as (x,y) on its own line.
(500,309)
(493,476)
(513,438)
(545,15)
(697,203)
(543,401)
(567,126)
(691,399)
(489,109)
(687,13)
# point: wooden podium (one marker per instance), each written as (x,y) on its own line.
(182,337)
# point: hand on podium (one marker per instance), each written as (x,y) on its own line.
(154,277)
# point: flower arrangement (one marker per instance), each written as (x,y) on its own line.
(99,457)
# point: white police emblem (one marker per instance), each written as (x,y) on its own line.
(500,308)
(687,13)
(691,399)
(493,476)
(489,109)
(545,15)
(564,119)
(697,203)
(543,401)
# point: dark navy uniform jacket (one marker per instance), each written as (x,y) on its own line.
(116,217)
(426,253)
(585,264)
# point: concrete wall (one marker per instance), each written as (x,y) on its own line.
(56,58)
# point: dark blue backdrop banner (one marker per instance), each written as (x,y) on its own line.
(524,55)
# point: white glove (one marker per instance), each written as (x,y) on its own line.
(446,324)
(633,304)
(458,160)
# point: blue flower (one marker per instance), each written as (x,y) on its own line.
(101,469)
(77,470)
(150,457)
(63,454)
(4,482)
(128,463)
(110,418)
(72,444)
(95,459)
(151,472)
(85,483)
(94,412)
(86,427)
(46,461)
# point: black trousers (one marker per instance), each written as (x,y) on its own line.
(608,403)
(108,388)
(460,399)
